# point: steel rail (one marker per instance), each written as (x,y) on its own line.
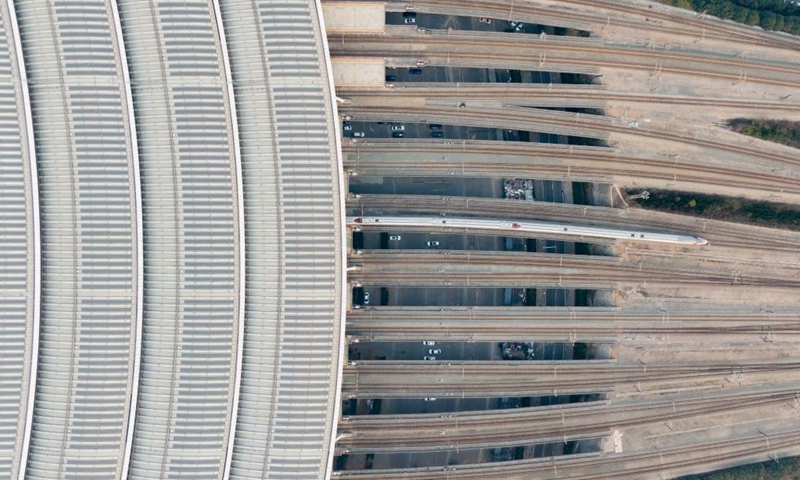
(492,429)
(532,119)
(534,416)
(371,161)
(476,267)
(454,48)
(564,44)
(490,155)
(580,330)
(414,379)
(612,466)
(532,92)
(565,314)
(587,15)
(736,31)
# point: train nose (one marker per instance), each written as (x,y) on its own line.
(700,241)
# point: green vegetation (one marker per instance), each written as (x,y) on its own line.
(580,351)
(571,32)
(579,78)
(779,131)
(718,207)
(777,15)
(785,469)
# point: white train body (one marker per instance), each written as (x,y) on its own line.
(532,227)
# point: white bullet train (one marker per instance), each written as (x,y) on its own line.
(532,227)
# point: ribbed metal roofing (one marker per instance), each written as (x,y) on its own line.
(20,254)
(194,253)
(189,182)
(89,227)
(291,195)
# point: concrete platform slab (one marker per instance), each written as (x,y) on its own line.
(354,17)
(358,71)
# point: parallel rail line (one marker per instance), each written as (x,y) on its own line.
(599,467)
(535,417)
(466,46)
(367,435)
(586,17)
(562,314)
(537,118)
(593,279)
(578,331)
(365,157)
(532,92)
(412,379)
(583,17)
(511,42)
(734,31)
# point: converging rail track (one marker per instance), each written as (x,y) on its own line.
(507,269)
(482,159)
(600,15)
(561,95)
(461,430)
(576,329)
(601,466)
(679,262)
(461,379)
(443,47)
(538,120)
(574,324)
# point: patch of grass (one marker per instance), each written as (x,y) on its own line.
(785,469)
(718,207)
(775,15)
(778,131)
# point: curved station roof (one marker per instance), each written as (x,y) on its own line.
(171,279)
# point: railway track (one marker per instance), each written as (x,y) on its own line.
(384,324)
(412,433)
(707,453)
(577,332)
(560,64)
(534,120)
(594,279)
(718,233)
(446,270)
(415,379)
(590,46)
(445,46)
(735,32)
(602,466)
(565,314)
(534,92)
(587,17)
(551,369)
(537,416)
(467,268)
(471,158)
(538,120)
(553,63)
